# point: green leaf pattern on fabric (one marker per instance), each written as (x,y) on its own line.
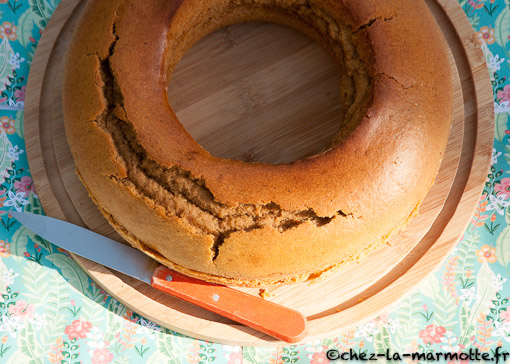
(5,54)
(503,247)
(40,10)
(408,316)
(501,126)
(29,346)
(35,279)
(20,240)
(486,293)
(57,314)
(5,159)
(446,309)
(25,27)
(71,271)
(19,123)
(502,25)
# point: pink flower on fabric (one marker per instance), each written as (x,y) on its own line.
(382,319)
(505,315)
(26,185)
(486,254)
(8,30)
(22,310)
(505,94)
(78,329)
(432,334)
(486,34)
(475,5)
(20,94)
(503,187)
(319,358)
(7,124)
(236,357)
(5,249)
(102,356)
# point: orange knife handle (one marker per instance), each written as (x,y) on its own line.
(265,316)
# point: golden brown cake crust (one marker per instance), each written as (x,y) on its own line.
(250,223)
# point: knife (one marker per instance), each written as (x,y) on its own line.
(265,316)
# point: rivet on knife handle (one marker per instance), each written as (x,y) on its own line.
(268,317)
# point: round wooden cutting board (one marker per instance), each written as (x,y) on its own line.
(343,298)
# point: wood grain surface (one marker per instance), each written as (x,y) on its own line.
(235,126)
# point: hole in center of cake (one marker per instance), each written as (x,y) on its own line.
(258,92)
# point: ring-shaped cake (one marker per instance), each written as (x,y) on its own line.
(255,224)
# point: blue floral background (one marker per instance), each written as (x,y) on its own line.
(50,311)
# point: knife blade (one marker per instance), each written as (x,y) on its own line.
(265,316)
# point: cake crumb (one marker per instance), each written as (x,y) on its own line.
(264,293)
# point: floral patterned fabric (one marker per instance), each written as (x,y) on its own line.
(51,312)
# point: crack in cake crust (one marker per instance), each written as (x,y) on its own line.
(175,189)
